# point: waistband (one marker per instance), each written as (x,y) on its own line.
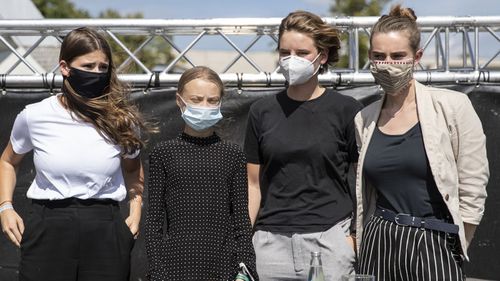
(408,220)
(74,202)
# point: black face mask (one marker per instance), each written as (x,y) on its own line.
(88,84)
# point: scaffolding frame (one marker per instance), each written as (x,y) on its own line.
(436,30)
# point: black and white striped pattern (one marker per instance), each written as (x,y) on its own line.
(393,252)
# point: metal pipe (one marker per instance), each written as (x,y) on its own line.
(17,54)
(263,80)
(171,65)
(132,56)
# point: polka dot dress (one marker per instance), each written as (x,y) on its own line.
(197,227)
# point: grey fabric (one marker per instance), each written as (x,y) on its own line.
(286,256)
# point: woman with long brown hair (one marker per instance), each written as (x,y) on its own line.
(422,170)
(86,143)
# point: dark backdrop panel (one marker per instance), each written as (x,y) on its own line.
(160,106)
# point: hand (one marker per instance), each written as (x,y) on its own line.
(133,224)
(12,226)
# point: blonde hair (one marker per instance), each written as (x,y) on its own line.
(325,36)
(112,115)
(202,72)
(399,19)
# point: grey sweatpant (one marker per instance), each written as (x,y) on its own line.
(286,256)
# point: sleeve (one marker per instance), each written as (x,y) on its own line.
(472,163)
(350,133)
(241,221)
(251,145)
(20,137)
(155,246)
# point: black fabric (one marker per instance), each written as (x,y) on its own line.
(78,240)
(197,227)
(304,149)
(392,252)
(397,166)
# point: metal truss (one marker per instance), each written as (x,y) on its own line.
(436,33)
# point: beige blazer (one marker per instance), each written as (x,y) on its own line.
(456,149)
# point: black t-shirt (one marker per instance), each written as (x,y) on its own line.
(397,166)
(304,149)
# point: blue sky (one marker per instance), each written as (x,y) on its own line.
(178,9)
(200,9)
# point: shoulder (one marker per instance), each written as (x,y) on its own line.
(265,103)
(232,149)
(164,147)
(345,102)
(445,98)
(42,105)
(368,112)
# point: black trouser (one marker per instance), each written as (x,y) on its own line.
(72,239)
(393,252)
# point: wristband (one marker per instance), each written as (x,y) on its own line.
(7,206)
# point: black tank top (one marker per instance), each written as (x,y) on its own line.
(397,166)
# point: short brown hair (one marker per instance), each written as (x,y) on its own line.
(399,19)
(325,36)
(202,72)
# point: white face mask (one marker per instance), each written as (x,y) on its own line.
(297,70)
(200,118)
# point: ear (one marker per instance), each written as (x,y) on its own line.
(324,56)
(179,102)
(418,56)
(64,68)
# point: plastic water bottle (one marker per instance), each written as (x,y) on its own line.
(316,270)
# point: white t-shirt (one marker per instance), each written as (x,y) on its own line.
(71,158)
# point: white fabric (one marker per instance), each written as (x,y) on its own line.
(71,158)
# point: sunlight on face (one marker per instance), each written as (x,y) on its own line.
(391,46)
(297,44)
(96,61)
(202,93)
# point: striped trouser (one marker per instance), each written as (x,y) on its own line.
(393,252)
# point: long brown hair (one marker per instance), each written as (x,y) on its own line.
(114,117)
(399,19)
(325,36)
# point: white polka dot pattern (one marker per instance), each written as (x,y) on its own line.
(197,227)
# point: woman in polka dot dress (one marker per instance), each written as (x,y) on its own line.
(197,227)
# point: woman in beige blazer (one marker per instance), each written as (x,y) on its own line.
(422,170)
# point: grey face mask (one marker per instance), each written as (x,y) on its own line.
(392,76)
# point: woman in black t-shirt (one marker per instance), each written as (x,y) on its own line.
(299,144)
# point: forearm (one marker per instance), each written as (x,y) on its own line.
(7,182)
(9,163)
(254,198)
(134,181)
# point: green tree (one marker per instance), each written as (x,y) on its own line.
(59,9)
(156,52)
(357,8)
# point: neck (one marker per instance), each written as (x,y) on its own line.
(307,91)
(406,97)
(199,134)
